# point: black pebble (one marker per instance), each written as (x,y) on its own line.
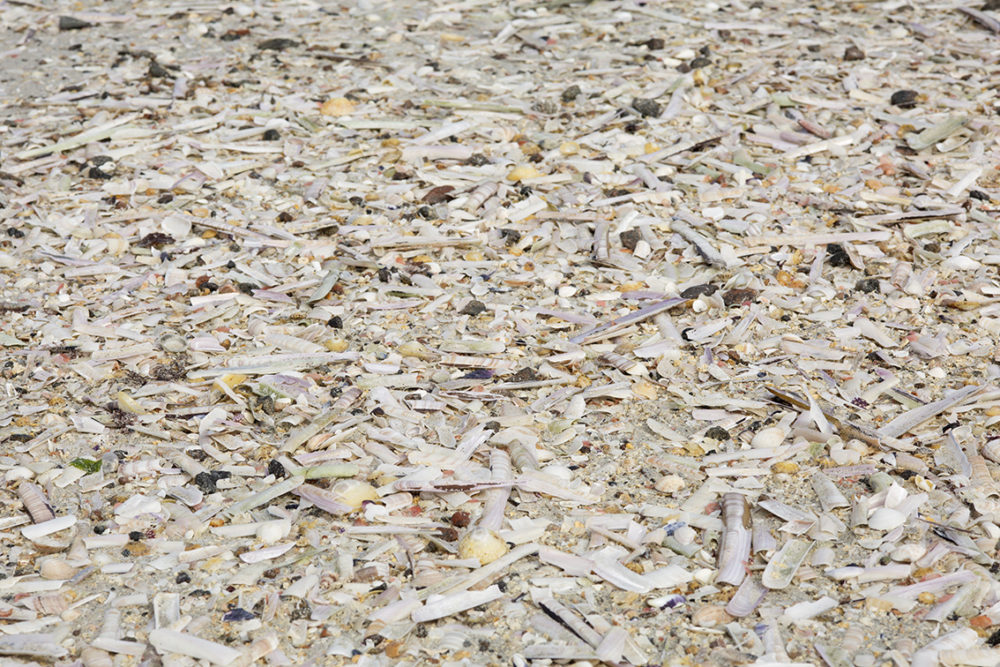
(135,535)
(654,44)
(717,433)
(853,53)
(272,135)
(867,285)
(277,44)
(205,482)
(695,291)
(335,322)
(477,160)
(647,107)
(157,71)
(71,23)
(630,238)
(837,255)
(524,375)
(570,94)
(904,99)
(473,308)
(979,194)
(510,236)
(275,468)
(183,578)
(236,614)
(698,63)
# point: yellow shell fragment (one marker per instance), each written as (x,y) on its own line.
(231,380)
(337,106)
(128,404)
(523,172)
(353,492)
(336,344)
(482,544)
(414,349)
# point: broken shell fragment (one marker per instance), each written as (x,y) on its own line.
(482,544)
(768,437)
(353,492)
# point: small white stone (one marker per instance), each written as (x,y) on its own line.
(768,437)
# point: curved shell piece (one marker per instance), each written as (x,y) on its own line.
(734,547)
(746,598)
(35,502)
(782,567)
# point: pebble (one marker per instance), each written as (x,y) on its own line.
(710,616)
(647,107)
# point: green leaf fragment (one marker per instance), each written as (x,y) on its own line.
(86,465)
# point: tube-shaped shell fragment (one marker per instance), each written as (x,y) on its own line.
(734,548)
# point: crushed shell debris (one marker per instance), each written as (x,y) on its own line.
(499,333)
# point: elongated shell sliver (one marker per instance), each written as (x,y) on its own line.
(734,547)
(782,567)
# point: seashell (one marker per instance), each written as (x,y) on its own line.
(829,495)
(734,547)
(337,106)
(141,468)
(56,569)
(784,564)
(172,342)
(479,195)
(746,598)
(768,437)
(95,657)
(685,535)
(710,616)
(886,518)
(128,404)
(353,492)
(991,450)
(908,553)
(47,603)
(35,502)
(270,532)
(482,544)
(522,172)
(669,484)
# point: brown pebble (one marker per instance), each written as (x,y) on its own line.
(460,519)
(710,616)
(853,53)
(739,297)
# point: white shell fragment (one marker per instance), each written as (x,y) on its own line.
(169,641)
(784,564)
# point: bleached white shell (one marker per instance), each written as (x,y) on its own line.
(908,553)
(768,437)
(56,569)
(886,519)
(685,535)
